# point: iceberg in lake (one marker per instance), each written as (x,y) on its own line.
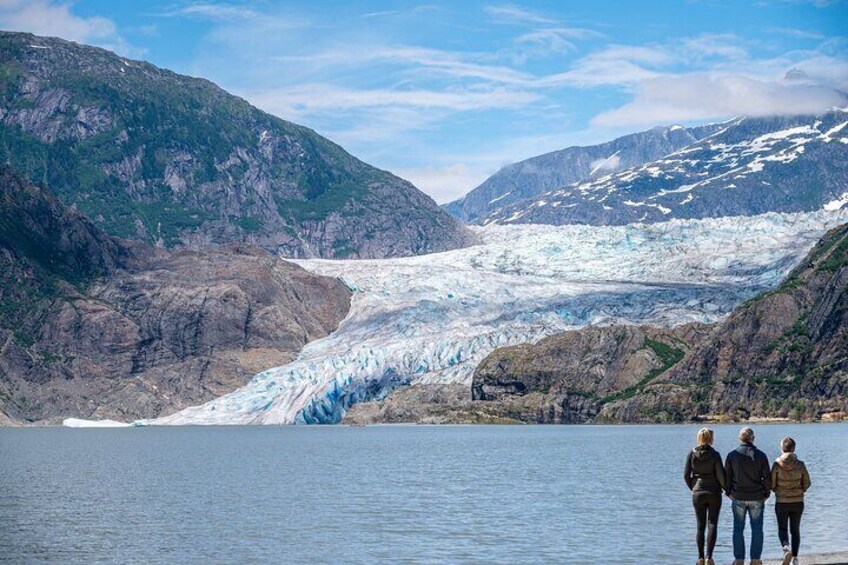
(433,318)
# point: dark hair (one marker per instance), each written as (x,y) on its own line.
(787,445)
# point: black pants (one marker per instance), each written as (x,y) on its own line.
(789,514)
(707,506)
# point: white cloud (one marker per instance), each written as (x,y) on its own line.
(510,13)
(621,65)
(212,11)
(43,17)
(689,97)
(556,40)
(307,98)
(444,184)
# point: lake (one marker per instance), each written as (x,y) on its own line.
(414,494)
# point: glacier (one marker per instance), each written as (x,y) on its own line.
(433,318)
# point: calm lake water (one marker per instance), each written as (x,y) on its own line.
(413,494)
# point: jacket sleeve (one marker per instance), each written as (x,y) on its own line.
(805,479)
(728,475)
(774,471)
(687,472)
(719,471)
(765,470)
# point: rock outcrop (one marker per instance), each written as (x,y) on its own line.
(172,160)
(95,327)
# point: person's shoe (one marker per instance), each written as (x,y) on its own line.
(756,562)
(702,561)
(787,556)
(738,562)
(795,561)
(710,561)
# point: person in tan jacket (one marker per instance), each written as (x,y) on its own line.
(789,481)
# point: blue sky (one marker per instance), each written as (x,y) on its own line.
(445,93)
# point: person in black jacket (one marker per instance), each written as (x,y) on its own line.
(748,477)
(704,475)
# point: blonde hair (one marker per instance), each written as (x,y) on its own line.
(705,436)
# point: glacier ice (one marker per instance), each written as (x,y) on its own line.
(432,318)
(80,423)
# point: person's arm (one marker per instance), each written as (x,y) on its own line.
(687,472)
(728,475)
(766,475)
(719,471)
(774,470)
(805,479)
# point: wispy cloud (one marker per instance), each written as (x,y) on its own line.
(512,14)
(211,11)
(306,98)
(556,40)
(43,17)
(801,33)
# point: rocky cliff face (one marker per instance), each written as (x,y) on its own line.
(95,327)
(538,175)
(163,158)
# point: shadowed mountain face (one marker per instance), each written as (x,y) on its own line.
(163,158)
(750,166)
(531,177)
(94,326)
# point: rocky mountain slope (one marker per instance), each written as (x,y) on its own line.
(537,175)
(94,326)
(783,354)
(163,158)
(750,166)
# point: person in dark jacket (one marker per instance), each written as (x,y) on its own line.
(748,479)
(704,475)
(789,481)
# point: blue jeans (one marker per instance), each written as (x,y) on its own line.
(754,508)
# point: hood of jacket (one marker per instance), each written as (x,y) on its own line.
(787,461)
(703,453)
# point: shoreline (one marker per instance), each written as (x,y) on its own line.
(106,424)
(830,558)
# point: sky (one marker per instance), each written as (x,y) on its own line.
(446,93)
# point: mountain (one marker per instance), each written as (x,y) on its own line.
(541,174)
(95,326)
(782,354)
(750,166)
(168,159)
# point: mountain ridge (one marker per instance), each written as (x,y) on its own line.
(748,167)
(529,177)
